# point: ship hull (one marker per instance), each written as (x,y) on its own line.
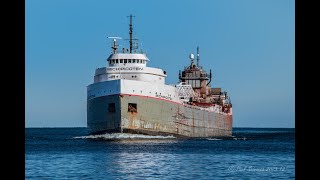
(153,116)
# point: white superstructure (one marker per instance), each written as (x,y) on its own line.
(127,72)
(129,66)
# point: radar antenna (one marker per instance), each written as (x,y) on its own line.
(114,46)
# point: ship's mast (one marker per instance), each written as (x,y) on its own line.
(198,56)
(130,33)
(114,47)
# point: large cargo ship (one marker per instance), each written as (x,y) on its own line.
(127,96)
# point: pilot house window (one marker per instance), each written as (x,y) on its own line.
(132,107)
(112,107)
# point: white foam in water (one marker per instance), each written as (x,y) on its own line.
(119,136)
(213,139)
(240,138)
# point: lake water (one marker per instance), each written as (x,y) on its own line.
(69,153)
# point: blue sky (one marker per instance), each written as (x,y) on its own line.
(249,44)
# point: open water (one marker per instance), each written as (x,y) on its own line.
(69,153)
